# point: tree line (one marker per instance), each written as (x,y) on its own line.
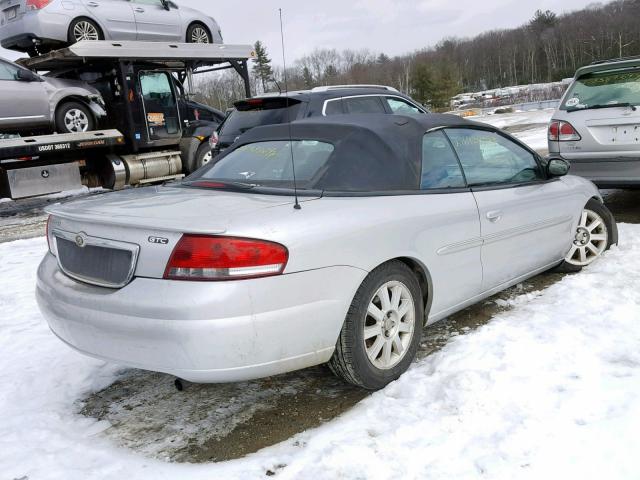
(548,48)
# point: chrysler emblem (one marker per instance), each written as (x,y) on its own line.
(81,241)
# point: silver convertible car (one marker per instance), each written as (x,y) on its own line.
(400,221)
(37,26)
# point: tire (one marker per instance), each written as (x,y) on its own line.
(84,29)
(203,155)
(198,33)
(362,362)
(597,232)
(74,117)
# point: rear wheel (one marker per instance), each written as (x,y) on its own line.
(198,33)
(595,234)
(84,29)
(74,117)
(381,333)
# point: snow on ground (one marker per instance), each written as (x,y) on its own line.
(529,127)
(548,389)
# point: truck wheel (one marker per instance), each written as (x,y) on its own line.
(74,117)
(84,29)
(381,333)
(204,154)
(198,33)
(596,232)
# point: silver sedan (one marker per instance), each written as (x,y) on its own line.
(398,222)
(36,26)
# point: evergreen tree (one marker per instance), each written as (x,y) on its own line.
(422,83)
(262,65)
(307,77)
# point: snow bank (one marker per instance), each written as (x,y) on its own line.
(549,389)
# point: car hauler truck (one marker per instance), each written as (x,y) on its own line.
(145,140)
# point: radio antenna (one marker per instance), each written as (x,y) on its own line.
(286,93)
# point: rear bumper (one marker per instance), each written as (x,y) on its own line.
(203,331)
(608,172)
(39,27)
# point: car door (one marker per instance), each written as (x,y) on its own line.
(155,23)
(22,103)
(452,229)
(526,219)
(115,16)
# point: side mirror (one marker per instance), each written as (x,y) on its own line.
(27,76)
(557,167)
(166,5)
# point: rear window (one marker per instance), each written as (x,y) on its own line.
(257,112)
(269,164)
(604,88)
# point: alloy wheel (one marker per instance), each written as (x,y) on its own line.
(389,325)
(199,35)
(76,121)
(85,31)
(590,240)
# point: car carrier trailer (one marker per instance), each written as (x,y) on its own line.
(145,139)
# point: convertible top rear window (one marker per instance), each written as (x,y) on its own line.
(269,164)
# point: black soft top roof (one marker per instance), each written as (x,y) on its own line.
(371,152)
(390,129)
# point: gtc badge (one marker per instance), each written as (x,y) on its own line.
(159,240)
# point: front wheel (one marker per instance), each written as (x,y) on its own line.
(74,117)
(382,330)
(596,232)
(198,33)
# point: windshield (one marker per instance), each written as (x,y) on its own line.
(256,112)
(604,88)
(269,164)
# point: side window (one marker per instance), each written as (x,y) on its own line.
(440,167)
(8,71)
(333,107)
(369,104)
(149,2)
(397,105)
(490,158)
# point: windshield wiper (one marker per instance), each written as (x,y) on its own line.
(608,105)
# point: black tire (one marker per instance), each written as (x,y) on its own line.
(203,155)
(198,30)
(72,38)
(350,360)
(85,121)
(594,205)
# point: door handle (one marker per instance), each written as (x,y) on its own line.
(494,215)
(139,9)
(92,4)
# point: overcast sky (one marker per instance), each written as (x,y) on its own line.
(390,26)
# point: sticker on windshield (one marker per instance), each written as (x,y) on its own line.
(572,102)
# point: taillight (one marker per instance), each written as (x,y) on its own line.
(200,257)
(213,140)
(37,4)
(563,132)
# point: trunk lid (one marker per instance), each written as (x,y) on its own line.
(151,221)
(605,133)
